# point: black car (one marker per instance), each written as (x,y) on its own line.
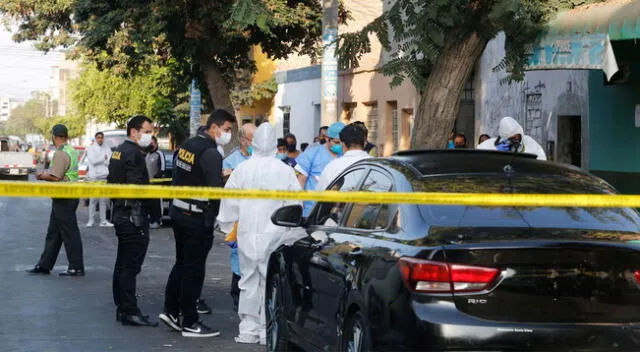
(457,278)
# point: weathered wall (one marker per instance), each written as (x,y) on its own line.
(535,103)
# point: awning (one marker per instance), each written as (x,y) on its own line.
(576,52)
(620,19)
(581,38)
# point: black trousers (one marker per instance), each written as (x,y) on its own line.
(132,248)
(155,210)
(235,291)
(63,229)
(193,243)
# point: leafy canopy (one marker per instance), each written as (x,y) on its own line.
(123,35)
(415,31)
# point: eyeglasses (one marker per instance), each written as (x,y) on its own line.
(335,141)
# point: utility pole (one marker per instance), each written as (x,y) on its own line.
(329,92)
(195,110)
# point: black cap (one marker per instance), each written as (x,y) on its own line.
(60,130)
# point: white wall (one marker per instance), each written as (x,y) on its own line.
(301,97)
(562,92)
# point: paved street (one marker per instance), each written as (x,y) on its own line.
(52,313)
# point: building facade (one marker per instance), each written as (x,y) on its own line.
(364,94)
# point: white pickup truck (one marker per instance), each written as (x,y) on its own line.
(14,163)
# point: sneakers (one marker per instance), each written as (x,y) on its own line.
(90,224)
(202,307)
(170,321)
(154,225)
(105,224)
(199,330)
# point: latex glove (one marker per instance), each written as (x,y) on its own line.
(504,147)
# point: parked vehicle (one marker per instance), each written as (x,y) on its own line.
(113,138)
(457,278)
(15,164)
(83,166)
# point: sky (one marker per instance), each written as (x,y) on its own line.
(24,69)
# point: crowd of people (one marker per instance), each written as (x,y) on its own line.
(261,161)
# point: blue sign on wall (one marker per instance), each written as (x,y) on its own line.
(576,52)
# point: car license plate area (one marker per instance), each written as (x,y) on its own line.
(14,172)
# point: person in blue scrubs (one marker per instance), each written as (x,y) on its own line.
(311,163)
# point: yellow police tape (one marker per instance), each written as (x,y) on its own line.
(95,190)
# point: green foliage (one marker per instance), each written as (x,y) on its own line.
(415,31)
(247,96)
(127,35)
(27,118)
(109,97)
(75,124)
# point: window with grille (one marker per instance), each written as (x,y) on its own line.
(372,122)
(286,119)
(467,93)
(395,125)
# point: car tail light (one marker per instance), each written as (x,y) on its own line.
(439,277)
(637,275)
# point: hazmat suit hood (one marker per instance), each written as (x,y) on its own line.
(509,127)
(265,143)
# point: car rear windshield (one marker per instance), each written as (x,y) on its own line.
(606,219)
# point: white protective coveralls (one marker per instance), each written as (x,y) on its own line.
(258,237)
(509,127)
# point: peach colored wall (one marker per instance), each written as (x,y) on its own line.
(367,87)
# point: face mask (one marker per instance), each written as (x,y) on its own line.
(145,140)
(250,150)
(281,156)
(337,149)
(323,141)
(291,148)
(224,139)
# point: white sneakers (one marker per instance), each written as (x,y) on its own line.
(154,225)
(105,224)
(102,224)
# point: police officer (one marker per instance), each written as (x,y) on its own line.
(198,164)
(130,218)
(63,225)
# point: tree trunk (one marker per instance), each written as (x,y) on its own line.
(220,94)
(218,88)
(440,100)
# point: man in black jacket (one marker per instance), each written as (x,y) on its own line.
(198,164)
(130,218)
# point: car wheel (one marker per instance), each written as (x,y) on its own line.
(277,334)
(355,336)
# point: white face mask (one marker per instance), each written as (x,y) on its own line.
(224,138)
(145,140)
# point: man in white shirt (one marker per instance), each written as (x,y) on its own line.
(353,138)
(98,156)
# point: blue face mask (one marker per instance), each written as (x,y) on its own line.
(337,148)
(250,150)
(281,156)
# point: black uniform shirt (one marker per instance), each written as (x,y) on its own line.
(198,163)
(127,165)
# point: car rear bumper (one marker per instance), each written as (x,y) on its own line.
(17,171)
(441,327)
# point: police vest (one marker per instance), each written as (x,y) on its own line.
(187,168)
(72,173)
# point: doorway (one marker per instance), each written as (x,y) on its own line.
(569,144)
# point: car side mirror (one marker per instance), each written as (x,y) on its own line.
(289,216)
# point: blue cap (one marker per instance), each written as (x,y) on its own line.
(335,129)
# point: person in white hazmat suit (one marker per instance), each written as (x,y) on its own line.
(258,237)
(513,139)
